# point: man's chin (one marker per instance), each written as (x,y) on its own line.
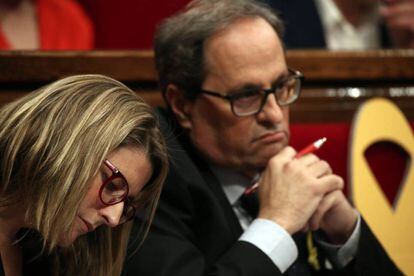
(271,151)
(263,157)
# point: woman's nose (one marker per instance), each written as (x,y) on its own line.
(112,214)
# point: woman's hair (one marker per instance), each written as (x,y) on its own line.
(54,140)
(179,40)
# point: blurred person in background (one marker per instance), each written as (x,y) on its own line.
(44,25)
(347,25)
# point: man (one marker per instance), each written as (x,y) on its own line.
(224,76)
(347,25)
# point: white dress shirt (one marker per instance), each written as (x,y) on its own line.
(271,238)
(342,35)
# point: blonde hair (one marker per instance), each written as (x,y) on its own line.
(54,140)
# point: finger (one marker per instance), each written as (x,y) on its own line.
(398,10)
(404,23)
(330,183)
(288,152)
(308,159)
(401,15)
(326,203)
(320,168)
(279,160)
(285,155)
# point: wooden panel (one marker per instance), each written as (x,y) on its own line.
(339,105)
(317,65)
(356,76)
(363,68)
(46,66)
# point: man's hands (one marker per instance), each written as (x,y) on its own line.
(399,18)
(335,216)
(303,192)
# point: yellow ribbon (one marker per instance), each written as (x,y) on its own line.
(313,252)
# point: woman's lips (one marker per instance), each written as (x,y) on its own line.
(88,225)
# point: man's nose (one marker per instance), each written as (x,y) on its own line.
(112,214)
(271,112)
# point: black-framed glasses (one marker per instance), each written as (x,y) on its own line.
(251,101)
(114,190)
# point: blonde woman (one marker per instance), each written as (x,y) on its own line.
(78,158)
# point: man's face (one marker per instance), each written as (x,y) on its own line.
(246,54)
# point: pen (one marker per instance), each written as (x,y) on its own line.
(309,149)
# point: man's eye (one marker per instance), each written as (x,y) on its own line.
(247,95)
(282,83)
(247,99)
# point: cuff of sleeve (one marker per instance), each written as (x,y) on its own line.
(341,255)
(273,240)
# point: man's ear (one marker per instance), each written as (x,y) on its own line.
(180,105)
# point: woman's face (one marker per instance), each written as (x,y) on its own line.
(134,165)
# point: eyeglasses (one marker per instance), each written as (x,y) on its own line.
(251,101)
(114,190)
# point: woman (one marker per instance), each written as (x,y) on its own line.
(77,158)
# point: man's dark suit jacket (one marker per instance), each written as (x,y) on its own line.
(195,231)
(303,26)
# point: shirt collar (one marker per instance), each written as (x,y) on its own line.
(331,16)
(342,35)
(233,183)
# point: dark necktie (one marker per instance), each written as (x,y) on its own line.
(250,203)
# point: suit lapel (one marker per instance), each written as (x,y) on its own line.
(179,142)
(215,186)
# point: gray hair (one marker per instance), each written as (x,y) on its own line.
(179,40)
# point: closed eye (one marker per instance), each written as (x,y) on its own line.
(111,187)
(103,177)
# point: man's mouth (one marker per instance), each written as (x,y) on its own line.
(272,137)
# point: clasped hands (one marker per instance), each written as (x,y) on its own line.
(303,193)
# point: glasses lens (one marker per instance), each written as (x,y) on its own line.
(247,102)
(289,92)
(114,190)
